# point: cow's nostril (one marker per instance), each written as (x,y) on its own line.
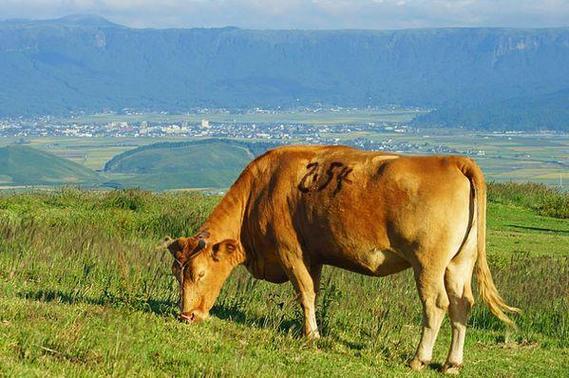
(188,317)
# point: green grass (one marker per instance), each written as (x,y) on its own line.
(545,200)
(84,291)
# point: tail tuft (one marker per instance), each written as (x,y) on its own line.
(490,295)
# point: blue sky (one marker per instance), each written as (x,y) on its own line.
(307,14)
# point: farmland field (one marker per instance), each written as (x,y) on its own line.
(84,291)
(505,157)
(538,157)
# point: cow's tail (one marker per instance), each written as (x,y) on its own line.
(486,285)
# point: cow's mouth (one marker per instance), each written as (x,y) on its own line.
(192,317)
(187,317)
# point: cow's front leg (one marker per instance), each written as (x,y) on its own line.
(306,281)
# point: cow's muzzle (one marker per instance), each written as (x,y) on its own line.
(192,317)
(187,317)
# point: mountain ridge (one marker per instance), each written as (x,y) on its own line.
(51,68)
(79,19)
(92,19)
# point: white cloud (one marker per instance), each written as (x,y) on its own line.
(307,14)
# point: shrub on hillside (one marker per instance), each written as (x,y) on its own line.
(543,199)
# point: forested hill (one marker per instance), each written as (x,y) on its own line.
(88,63)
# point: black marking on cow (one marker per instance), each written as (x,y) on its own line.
(309,182)
(341,178)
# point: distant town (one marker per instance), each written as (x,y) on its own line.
(277,132)
(54,127)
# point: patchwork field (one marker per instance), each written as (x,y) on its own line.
(85,292)
(505,157)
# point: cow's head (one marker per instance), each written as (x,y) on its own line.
(201,268)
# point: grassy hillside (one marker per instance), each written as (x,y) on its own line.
(84,291)
(542,199)
(21,165)
(207,164)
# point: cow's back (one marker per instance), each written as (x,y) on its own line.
(342,205)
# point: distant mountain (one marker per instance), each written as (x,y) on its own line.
(541,112)
(87,63)
(197,164)
(75,20)
(22,165)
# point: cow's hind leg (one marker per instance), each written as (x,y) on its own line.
(458,279)
(306,281)
(430,284)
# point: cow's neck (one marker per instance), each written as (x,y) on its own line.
(227,217)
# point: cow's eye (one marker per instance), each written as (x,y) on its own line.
(201,274)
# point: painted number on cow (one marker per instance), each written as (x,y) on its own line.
(319,177)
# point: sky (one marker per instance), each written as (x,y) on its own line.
(303,14)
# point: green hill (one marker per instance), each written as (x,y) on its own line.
(197,164)
(21,165)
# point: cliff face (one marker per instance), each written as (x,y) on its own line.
(82,63)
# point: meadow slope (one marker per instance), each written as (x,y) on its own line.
(85,292)
(163,166)
(23,165)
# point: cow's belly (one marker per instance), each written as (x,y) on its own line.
(373,262)
(267,266)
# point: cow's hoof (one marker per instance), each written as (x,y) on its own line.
(450,368)
(313,336)
(417,365)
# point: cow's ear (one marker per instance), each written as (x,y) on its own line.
(224,248)
(176,247)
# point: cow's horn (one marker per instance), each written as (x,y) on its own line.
(201,244)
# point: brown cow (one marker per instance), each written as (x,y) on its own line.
(297,208)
